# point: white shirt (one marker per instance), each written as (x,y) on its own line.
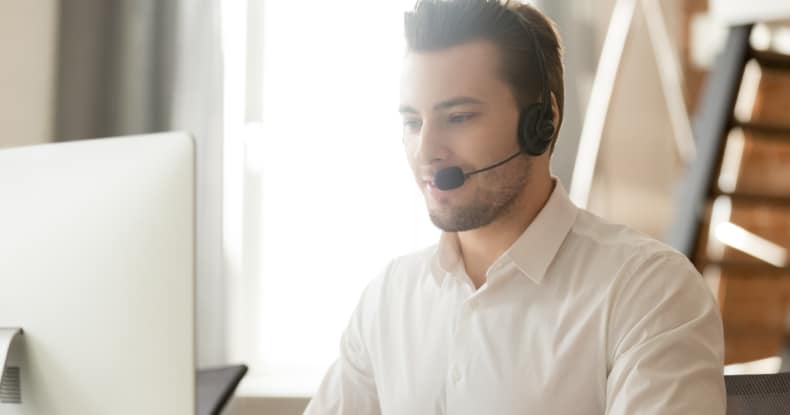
(578,316)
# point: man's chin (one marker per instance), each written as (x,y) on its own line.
(443,226)
(451,223)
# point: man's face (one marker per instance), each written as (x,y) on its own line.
(457,112)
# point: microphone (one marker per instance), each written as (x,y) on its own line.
(451,177)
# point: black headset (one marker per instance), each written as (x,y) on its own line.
(536,122)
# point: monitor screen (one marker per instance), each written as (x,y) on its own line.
(97,268)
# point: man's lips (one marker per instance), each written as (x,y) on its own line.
(435,192)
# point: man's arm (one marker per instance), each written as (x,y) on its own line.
(665,342)
(349,387)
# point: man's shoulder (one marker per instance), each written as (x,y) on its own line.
(618,248)
(417,258)
(406,266)
(605,235)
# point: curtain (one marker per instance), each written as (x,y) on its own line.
(141,66)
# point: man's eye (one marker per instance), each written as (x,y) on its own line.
(457,118)
(412,124)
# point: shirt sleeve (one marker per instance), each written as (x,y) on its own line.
(349,387)
(666,341)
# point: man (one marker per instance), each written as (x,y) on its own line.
(527,305)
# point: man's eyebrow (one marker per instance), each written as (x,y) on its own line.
(443,105)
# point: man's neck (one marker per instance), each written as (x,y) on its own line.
(480,247)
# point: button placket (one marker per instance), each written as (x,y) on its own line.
(457,353)
(465,313)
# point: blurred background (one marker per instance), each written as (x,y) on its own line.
(677,123)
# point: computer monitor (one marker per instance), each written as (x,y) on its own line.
(97,267)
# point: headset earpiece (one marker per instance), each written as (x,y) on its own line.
(536,122)
(535,130)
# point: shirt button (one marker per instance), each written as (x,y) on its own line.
(474,303)
(456,375)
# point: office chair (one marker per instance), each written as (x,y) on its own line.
(215,387)
(758,394)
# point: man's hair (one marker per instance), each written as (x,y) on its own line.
(440,24)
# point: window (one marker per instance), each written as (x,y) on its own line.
(324,197)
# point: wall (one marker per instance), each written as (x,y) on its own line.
(28,50)
(740,12)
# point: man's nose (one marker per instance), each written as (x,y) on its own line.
(432,144)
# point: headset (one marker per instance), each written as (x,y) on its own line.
(536,122)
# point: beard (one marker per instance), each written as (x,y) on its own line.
(494,196)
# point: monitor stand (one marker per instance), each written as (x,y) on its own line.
(9,376)
(215,386)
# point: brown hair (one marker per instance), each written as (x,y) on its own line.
(439,24)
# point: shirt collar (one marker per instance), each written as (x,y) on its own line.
(532,253)
(446,258)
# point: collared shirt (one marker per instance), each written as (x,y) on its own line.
(578,316)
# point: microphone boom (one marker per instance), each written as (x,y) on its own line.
(452,177)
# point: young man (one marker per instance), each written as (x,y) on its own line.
(527,304)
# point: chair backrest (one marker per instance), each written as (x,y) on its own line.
(215,387)
(758,394)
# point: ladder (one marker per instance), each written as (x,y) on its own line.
(732,208)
